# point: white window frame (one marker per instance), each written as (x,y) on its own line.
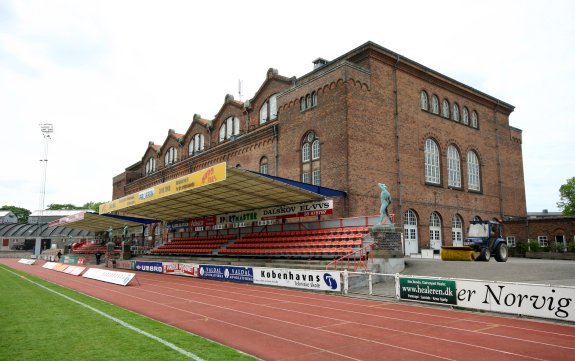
(410,225)
(171,156)
(315,150)
(305,153)
(229,128)
(453,167)
(423,101)
(151,166)
(264,165)
(543,241)
(465,119)
(316,177)
(511,241)
(432,165)
(434,104)
(445,108)
(435,231)
(457,230)
(455,112)
(305,177)
(474,121)
(473,172)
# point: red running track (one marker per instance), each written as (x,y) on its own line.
(281,324)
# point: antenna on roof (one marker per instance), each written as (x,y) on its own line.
(240,89)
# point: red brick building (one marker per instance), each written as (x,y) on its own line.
(446,151)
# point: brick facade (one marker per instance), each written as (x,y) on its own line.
(371,129)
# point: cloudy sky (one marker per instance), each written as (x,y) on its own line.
(112,75)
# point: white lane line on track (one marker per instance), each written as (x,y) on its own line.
(117,320)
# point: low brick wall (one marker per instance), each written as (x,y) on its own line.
(551,255)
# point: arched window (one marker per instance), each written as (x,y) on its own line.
(171,156)
(453,167)
(474,121)
(308,101)
(264,165)
(445,108)
(432,172)
(269,109)
(229,128)
(434,231)
(456,230)
(310,157)
(196,144)
(150,166)
(423,102)
(410,232)
(313,99)
(455,112)
(435,104)
(473,175)
(465,116)
(302,104)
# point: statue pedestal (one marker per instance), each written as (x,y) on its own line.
(387,251)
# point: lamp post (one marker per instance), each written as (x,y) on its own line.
(46,129)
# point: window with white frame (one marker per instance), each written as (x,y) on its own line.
(229,128)
(455,112)
(423,101)
(474,121)
(171,156)
(543,241)
(434,231)
(511,241)
(432,172)
(310,157)
(434,104)
(473,175)
(457,230)
(453,167)
(196,144)
(151,166)
(445,108)
(410,225)
(264,165)
(465,116)
(269,109)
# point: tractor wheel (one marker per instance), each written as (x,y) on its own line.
(501,252)
(485,254)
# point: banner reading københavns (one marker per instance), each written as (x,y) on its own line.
(427,290)
(306,279)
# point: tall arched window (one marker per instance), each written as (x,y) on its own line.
(434,231)
(423,102)
(410,232)
(229,128)
(445,108)
(264,165)
(171,156)
(310,157)
(453,167)
(457,230)
(473,175)
(196,144)
(150,166)
(474,121)
(465,116)
(434,104)
(302,104)
(455,112)
(432,172)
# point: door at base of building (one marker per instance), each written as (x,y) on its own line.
(560,241)
(411,246)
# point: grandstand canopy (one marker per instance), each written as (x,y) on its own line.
(216,190)
(95,222)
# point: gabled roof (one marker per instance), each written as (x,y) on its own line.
(229,101)
(271,75)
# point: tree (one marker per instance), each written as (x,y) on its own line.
(567,202)
(60,207)
(95,206)
(21,213)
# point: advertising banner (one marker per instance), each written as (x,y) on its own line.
(124,264)
(521,299)
(298,278)
(181,269)
(194,180)
(49,265)
(154,267)
(27,261)
(552,302)
(227,273)
(427,290)
(74,270)
(119,278)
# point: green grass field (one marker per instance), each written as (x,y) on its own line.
(36,324)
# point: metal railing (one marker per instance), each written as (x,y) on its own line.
(355,260)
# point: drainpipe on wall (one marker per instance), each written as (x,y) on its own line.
(397,141)
(498,151)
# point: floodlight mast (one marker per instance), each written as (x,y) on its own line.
(46,129)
